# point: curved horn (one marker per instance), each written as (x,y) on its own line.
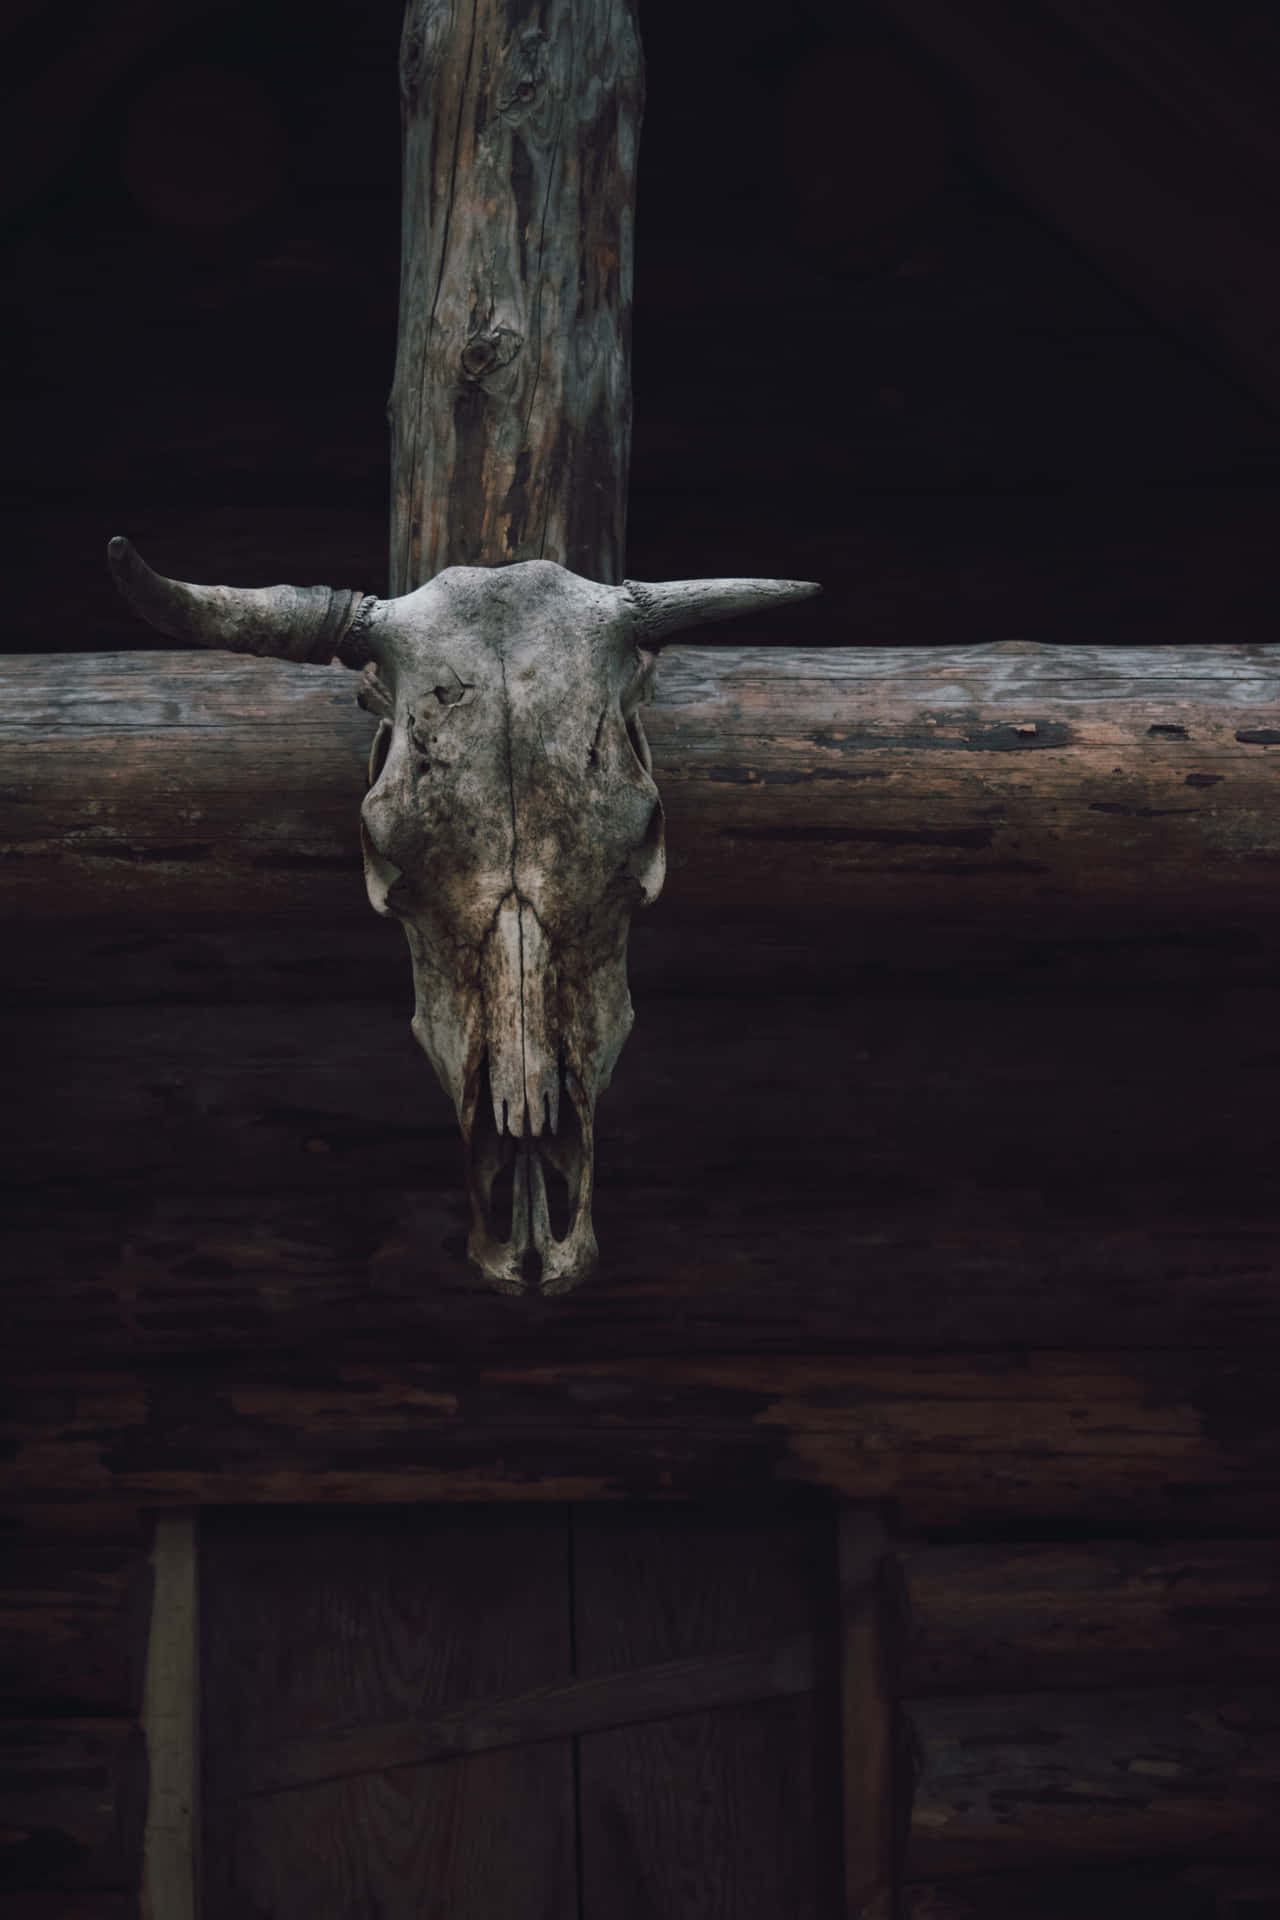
(663,607)
(310,624)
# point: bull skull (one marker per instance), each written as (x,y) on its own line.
(511,825)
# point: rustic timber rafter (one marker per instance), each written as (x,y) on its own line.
(1015,777)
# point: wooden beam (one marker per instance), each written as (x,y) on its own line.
(978,1439)
(1168,1889)
(1013,779)
(72,1797)
(1007,1616)
(1012,1782)
(593,1705)
(170,1724)
(511,407)
(1133,135)
(867,1715)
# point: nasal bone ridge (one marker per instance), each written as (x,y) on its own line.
(524,1065)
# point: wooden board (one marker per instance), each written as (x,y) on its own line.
(1159,1890)
(723,1813)
(73,1622)
(1010,777)
(310,1624)
(998,1617)
(1010,1782)
(171,1724)
(1166,1440)
(72,1803)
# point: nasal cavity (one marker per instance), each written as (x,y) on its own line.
(559,1205)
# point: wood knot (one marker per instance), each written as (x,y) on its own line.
(488,351)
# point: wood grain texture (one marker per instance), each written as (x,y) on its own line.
(308,1621)
(511,406)
(171,1725)
(1010,1782)
(72,1803)
(1012,779)
(73,1623)
(1149,1890)
(867,1686)
(661,1691)
(884,1167)
(1005,1616)
(1174,1441)
(720,1813)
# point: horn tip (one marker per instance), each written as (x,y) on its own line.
(121,555)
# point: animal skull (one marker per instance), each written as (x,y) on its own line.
(512,824)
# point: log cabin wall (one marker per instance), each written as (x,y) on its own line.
(953,1194)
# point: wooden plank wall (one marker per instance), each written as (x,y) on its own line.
(75,1604)
(1097,1724)
(1022,1288)
(978,1219)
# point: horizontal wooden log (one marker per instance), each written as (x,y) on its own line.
(73,1625)
(72,1803)
(1150,1890)
(893,1170)
(1028,1780)
(1003,1617)
(1010,777)
(1166,1441)
(595,1704)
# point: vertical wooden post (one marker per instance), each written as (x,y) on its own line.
(511,407)
(171,1724)
(866,1706)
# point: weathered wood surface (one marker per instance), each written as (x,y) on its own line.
(74,1607)
(73,1623)
(1026,1780)
(1062,97)
(1013,777)
(1175,1442)
(1006,1616)
(304,1624)
(870,1780)
(511,406)
(663,1691)
(730,1811)
(171,1724)
(1078,1170)
(1149,1890)
(72,1803)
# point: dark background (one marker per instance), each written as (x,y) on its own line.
(861,355)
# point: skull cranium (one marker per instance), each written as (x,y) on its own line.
(512,825)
